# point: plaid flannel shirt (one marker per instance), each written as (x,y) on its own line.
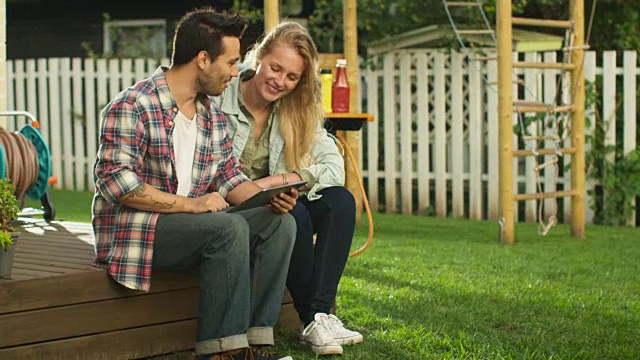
(136,147)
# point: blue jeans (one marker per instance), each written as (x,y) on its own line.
(315,271)
(241,259)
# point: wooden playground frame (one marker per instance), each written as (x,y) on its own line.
(505,21)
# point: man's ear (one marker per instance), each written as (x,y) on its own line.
(202,59)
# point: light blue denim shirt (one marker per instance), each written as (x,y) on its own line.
(326,162)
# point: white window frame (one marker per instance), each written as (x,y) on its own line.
(108,25)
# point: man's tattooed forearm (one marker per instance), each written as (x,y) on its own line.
(139,192)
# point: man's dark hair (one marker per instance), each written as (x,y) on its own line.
(203,29)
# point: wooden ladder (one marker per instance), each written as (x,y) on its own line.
(572,66)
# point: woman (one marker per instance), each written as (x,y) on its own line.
(275,121)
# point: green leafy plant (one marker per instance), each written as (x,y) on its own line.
(617,174)
(8,212)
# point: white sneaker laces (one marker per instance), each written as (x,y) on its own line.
(333,323)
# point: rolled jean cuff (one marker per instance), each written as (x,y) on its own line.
(260,335)
(220,345)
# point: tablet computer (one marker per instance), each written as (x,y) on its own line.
(264,196)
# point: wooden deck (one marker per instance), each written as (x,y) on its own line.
(57,306)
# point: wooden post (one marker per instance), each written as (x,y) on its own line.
(271,14)
(505,116)
(350,25)
(577,121)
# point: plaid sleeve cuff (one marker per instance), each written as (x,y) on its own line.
(118,184)
(231,183)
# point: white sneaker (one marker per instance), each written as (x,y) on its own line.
(317,336)
(340,334)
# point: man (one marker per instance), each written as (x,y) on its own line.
(163,173)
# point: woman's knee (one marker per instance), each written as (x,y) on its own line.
(301,215)
(340,200)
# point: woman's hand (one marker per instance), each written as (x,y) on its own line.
(284,202)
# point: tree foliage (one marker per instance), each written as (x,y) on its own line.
(616,23)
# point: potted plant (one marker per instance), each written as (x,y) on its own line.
(8,232)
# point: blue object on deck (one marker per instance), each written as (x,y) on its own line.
(38,189)
(3,163)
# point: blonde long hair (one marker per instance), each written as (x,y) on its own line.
(300,111)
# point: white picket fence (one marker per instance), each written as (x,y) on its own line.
(438,154)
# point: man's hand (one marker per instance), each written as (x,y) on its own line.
(284,202)
(210,202)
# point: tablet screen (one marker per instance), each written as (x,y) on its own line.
(264,196)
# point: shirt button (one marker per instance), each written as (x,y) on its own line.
(175,109)
(170,123)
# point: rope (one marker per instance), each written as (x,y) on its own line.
(21,160)
(350,156)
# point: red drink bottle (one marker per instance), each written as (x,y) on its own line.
(340,89)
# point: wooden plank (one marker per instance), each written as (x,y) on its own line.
(629,143)
(97,317)
(531,80)
(43,100)
(117,345)
(16,276)
(139,70)
(590,78)
(90,116)
(372,139)
(55,142)
(32,105)
(609,100)
(11,74)
(20,271)
(51,262)
(77,116)
(19,92)
(389,133)
(51,234)
(74,246)
(54,238)
(78,288)
(424,137)
(70,226)
(406,143)
(475,139)
(493,182)
(549,176)
(114,78)
(514,142)
(102,95)
(67,121)
(440,134)
(32,250)
(43,268)
(49,259)
(457,135)
(567,96)
(127,73)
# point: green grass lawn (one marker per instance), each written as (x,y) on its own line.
(432,288)
(69,205)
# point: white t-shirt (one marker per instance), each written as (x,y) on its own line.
(184,147)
